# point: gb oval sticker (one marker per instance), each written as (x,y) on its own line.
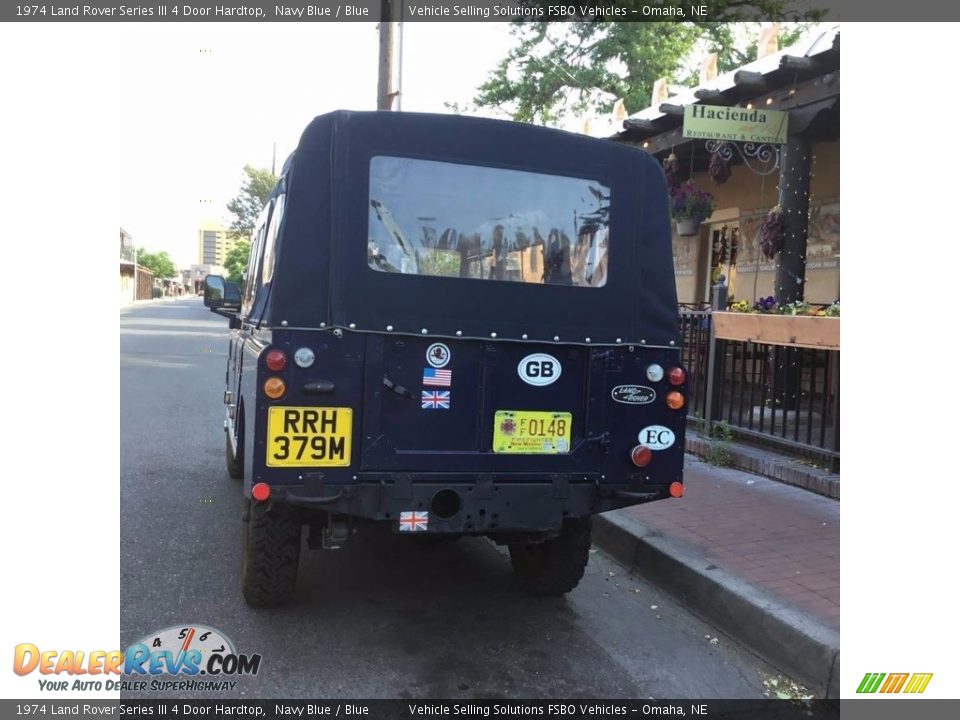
(657,437)
(539,369)
(633,394)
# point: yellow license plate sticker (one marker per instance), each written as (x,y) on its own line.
(309,436)
(530,432)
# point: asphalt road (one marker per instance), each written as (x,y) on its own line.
(386,616)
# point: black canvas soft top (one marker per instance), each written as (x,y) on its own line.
(322,278)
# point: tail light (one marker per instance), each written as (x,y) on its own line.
(641,455)
(676,489)
(274,388)
(675,400)
(260,492)
(276,360)
(676,376)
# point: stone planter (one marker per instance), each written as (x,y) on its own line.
(820,333)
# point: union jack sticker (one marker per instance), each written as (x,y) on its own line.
(414,521)
(435,399)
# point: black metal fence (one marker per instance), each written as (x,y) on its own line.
(783,396)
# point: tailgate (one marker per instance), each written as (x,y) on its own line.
(470,405)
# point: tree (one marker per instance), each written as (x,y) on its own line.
(562,67)
(236,261)
(254,194)
(159,263)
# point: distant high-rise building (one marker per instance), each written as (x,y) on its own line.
(214,241)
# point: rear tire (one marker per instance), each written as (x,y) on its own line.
(271,555)
(234,463)
(553,567)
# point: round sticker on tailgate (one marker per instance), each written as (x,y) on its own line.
(438,355)
(657,437)
(539,369)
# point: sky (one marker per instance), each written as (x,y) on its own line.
(201,101)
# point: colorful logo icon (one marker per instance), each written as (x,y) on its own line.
(894,683)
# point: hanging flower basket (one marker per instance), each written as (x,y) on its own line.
(690,206)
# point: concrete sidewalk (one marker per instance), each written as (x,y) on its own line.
(757,558)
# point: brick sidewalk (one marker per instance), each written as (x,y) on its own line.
(782,539)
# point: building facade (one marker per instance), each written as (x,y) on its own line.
(214,243)
(803,176)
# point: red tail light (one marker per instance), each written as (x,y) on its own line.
(260,492)
(276,360)
(676,489)
(676,376)
(641,455)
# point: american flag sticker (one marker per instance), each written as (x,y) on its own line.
(435,399)
(414,521)
(436,377)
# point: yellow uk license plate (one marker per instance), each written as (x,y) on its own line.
(309,436)
(532,432)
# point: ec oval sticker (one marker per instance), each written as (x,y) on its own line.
(657,437)
(539,369)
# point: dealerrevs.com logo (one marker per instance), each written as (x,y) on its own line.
(178,658)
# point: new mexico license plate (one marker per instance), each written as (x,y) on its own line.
(532,432)
(308,436)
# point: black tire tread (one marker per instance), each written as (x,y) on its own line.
(234,464)
(554,567)
(271,555)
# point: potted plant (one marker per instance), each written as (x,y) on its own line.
(797,324)
(690,206)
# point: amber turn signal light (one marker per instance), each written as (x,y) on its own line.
(674,400)
(274,388)
(676,489)
(641,455)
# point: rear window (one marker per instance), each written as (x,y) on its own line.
(452,220)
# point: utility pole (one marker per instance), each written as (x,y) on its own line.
(386,90)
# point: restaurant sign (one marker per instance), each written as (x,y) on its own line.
(712,122)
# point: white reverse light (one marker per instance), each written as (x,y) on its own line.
(304,358)
(654,373)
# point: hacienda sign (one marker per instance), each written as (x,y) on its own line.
(711,122)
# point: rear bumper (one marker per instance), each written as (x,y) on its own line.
(470,503)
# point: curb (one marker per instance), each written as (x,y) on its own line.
(773,466)
(791,640)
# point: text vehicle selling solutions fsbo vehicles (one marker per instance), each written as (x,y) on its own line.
(455,326)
